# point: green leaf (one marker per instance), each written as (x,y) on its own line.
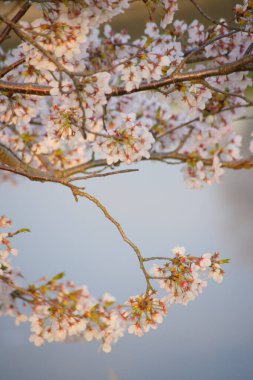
(224,261)
(58,276)
(23,230)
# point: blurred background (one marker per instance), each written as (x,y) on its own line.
(209,339)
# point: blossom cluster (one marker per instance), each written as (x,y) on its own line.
(143,312)
(60,311)
(86,65)
(73,314)
(5,266)
(184,277)
(103,94)
(127,140)
(244,14)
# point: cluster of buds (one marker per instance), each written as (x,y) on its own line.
(143,312)
(64,312)
(184,276)
(244,14)
(5,266)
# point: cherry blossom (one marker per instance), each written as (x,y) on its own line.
(60,311)
(143,312)
(80,113)
(169,7)
(127,140)
(183,277)
(79,99)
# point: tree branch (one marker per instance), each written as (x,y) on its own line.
(24,8)
(215,22)
(78,192)
(9,68)
(242,64)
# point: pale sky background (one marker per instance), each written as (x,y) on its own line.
(210,339)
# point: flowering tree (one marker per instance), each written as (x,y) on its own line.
(77,100)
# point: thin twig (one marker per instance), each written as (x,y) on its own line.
(190,55)
(213,21)
(176,128)
(78,192)
(24,8)
(9,68)
(227,93)
(156,258)
(95,175)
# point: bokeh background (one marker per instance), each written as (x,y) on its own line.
(209,339)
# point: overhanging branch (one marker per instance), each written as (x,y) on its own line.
(243,64)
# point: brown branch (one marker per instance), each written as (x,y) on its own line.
(11,162)
(26,37)
(227,93)
(63,176)
(51,57)
(38,1)
(239,65)
(159,277)
(249,49)
(97,175)
(78,192)
(184,139)
(226,69)
(10,159)
(213,21)
(176,128)
(24,88)
(24,8)
(9,68)
(17,289)
(235,165)
(190,55)
(156,258)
